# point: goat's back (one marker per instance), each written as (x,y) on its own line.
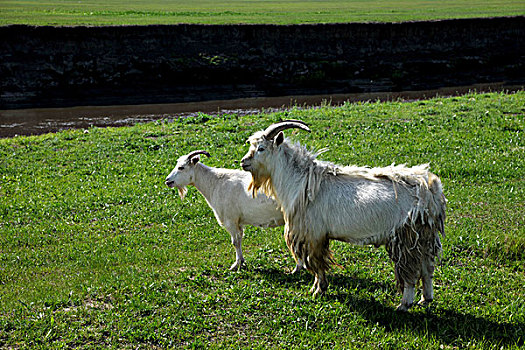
(368,209)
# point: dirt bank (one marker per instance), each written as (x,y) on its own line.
(131,65)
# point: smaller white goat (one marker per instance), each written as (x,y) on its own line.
(226,192)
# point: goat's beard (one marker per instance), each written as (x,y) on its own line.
(182,192)
(262,183)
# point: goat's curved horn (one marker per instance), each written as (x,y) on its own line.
(274,129)
(194,153)
(294,121)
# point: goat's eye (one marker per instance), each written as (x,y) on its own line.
(181,168)
(260,149)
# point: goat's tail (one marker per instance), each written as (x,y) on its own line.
(438,203)
(430,205)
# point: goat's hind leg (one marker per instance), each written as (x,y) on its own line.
(431,249)
(408,272)
(427,273)
(408,297)
(236,235)
(405,251)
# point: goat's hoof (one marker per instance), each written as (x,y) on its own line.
(318,293)
(237,266)
(297,269)
(402,308)
(424,302)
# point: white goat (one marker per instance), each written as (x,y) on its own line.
(225,191)
(402,208)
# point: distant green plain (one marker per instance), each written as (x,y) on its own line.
(143,12)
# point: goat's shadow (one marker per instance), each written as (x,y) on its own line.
(443,324)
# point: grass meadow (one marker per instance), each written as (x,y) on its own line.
(96,252)
(143,12)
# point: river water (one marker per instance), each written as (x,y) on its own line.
(38,121)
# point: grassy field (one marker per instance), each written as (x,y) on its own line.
(118,12)
(96,252)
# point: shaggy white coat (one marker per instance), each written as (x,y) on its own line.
(397,206)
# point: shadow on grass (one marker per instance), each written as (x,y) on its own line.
(448,326)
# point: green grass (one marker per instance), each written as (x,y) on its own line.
(96,252)
(119,12)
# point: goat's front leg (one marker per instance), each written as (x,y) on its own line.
(236,235)
(320,284)
(314,287)
(299,266)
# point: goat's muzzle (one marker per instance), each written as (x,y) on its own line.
(245,164)
(170,184)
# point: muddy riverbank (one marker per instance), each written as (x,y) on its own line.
(43,120)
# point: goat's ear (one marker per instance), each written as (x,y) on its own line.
(195,160)
(279,139)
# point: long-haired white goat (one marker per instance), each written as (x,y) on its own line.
(399,207)
(225,191)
